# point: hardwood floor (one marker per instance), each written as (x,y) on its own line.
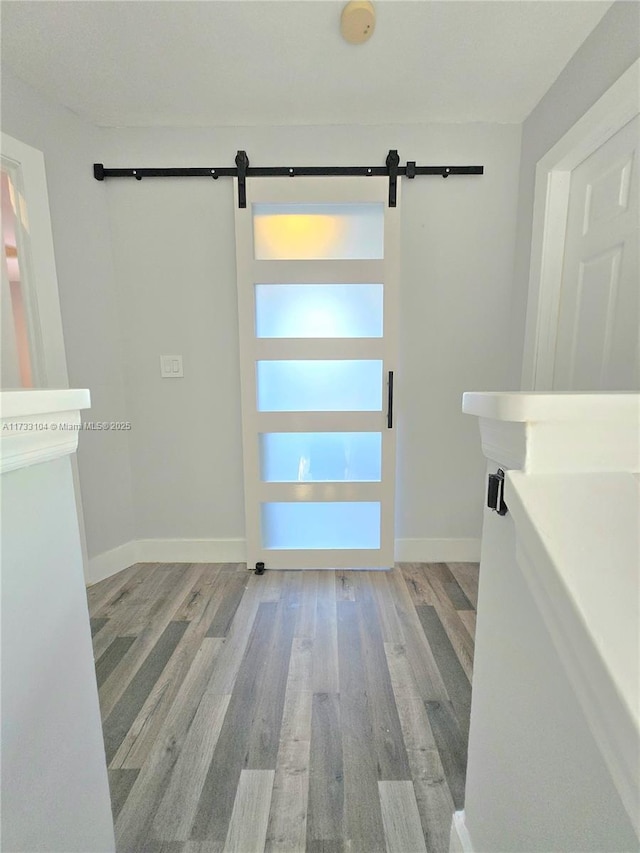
(297,711)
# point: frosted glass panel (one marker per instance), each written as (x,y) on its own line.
(321,525)
(319,386)
(318,231)
(320,456)
(319,310)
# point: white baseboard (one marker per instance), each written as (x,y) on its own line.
(459,840)
(233,551)
(163,551)
(191,551)
(110,562)
(437,550)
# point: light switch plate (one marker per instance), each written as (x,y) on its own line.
(171,367)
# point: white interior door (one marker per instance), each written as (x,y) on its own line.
(598,336)
(317,274)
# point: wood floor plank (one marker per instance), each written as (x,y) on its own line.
(138,587)
(402,828)
(287,828)
(363,827)
(453,675)
(119,720)
(108,661)
(141,736)
(206,585)
(457,596)
(97,625)
(230,600)
(469,619)
(177,811)
(326,773)
(266,718)
(435,804)
(120,783)
(387,744)
(306,624)
(344,586)
(248,826)
(414,577)
(134,821)
(100,593)
(416,646)
(389,622)
(229,757)
(325,646)
(160,615)
(459,637)
(452,747)
(467,575)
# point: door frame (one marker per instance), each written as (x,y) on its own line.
(49,361)
(618,106)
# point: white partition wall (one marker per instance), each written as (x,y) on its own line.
(317,266)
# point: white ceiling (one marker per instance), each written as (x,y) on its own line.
(173,63)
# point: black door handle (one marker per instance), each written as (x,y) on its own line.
(390,401)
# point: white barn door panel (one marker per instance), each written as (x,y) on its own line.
(317,275)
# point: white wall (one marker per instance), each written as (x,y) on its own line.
(173,245)
(88,300)
(55,795)
(606,54)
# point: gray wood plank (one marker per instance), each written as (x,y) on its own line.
(287,828)
(248,824)
(325,818)
(467,575)
(97,625)
(459,637)
(107,662)
(174,586)
(266,718)
(453,675)
(180,802)
(325,646)
(452,747)
(402,829)
(128,706)
(362,816)
(457,596)
(100,593)
(344,586)
(387,735)
(231,597)
(231,750)
(142,803)
(120,783)
(432,791)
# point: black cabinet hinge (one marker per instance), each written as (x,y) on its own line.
(495,493)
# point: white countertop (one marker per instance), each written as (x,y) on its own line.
(527,406)
(24,402)
(39,425)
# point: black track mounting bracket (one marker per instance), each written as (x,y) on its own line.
(242,162)
(393,161)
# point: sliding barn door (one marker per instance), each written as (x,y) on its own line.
(317,274)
